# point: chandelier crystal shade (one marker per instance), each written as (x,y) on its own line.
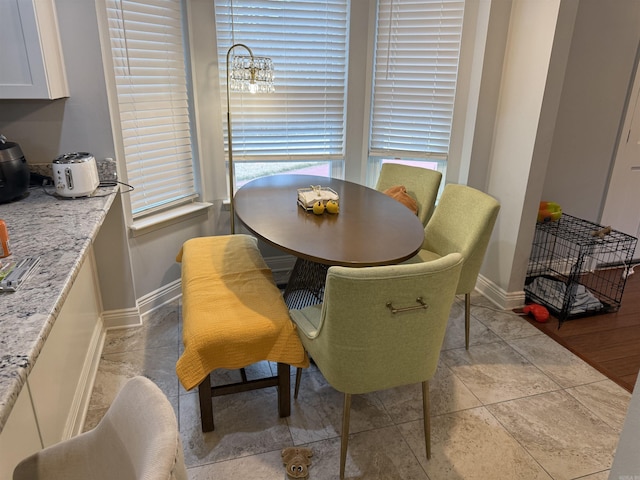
(251,74)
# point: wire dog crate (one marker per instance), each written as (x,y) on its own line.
(578,268)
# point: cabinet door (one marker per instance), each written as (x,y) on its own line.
(31,63)
(19,437)
(60,379)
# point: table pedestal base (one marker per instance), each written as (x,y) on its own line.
(306,284)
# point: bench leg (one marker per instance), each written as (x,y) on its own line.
(206,404)
(206,392)
(284,390)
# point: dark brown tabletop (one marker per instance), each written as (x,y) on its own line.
(371,228)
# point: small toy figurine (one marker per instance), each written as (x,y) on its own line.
(297,461)
(549,212)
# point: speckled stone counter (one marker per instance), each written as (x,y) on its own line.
(60,232)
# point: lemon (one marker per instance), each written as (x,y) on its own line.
(318,207)
(333,206)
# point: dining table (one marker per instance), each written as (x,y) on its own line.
(370,229)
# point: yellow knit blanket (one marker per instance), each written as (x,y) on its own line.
(232,312)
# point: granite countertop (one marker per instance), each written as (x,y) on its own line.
(59,231)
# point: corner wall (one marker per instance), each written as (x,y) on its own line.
(522,130)
(598,76)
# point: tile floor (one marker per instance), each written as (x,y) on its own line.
(515,406)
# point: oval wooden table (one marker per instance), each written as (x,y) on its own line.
(371,229)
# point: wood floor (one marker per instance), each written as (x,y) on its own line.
(608,342)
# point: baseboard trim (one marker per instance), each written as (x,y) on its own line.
(133,317)
(126,317)
(498,296)
(156,299)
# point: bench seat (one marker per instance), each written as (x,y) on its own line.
(233,314)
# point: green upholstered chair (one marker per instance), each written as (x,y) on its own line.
(462,222)
(137,438)
(421,183)
(360,344)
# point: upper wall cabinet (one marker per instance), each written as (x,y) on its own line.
(31,62)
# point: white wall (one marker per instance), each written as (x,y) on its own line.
(44,129)
(517,149)
(554,133)
(599,72)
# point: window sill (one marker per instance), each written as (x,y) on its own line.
(160,220)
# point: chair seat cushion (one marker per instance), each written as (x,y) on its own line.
(308,320)
(423,256)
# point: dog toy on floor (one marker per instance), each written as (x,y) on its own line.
(538,312)
(297,461)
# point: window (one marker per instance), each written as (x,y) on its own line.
(303,121)
(150,75)
(414,82)
(411,73)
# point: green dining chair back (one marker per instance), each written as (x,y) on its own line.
(378,328)
(422,185)
(462,222)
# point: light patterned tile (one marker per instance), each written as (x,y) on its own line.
(566,438)
(380,454)
(160,329)
(507,325)
(566,369)
(608,400)
(447,394)
(471,445)
(245,424)
(454,336)
(496,372)
(376,455)
(94,416)
(157,364)
(317,412)
(264,466)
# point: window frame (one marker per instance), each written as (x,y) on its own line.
(171,212)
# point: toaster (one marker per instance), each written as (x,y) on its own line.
(75,174)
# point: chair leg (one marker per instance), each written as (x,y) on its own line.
(467,319)
(344,441)
(298,376)
(426,410)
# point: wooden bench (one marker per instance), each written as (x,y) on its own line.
(233,315)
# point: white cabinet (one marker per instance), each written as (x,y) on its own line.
(61,379)
(19,437)
(31,62)
(51,405)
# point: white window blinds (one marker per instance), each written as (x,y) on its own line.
(307,41)
(150,75)
(416,64)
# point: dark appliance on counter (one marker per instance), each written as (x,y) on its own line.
(14,171)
